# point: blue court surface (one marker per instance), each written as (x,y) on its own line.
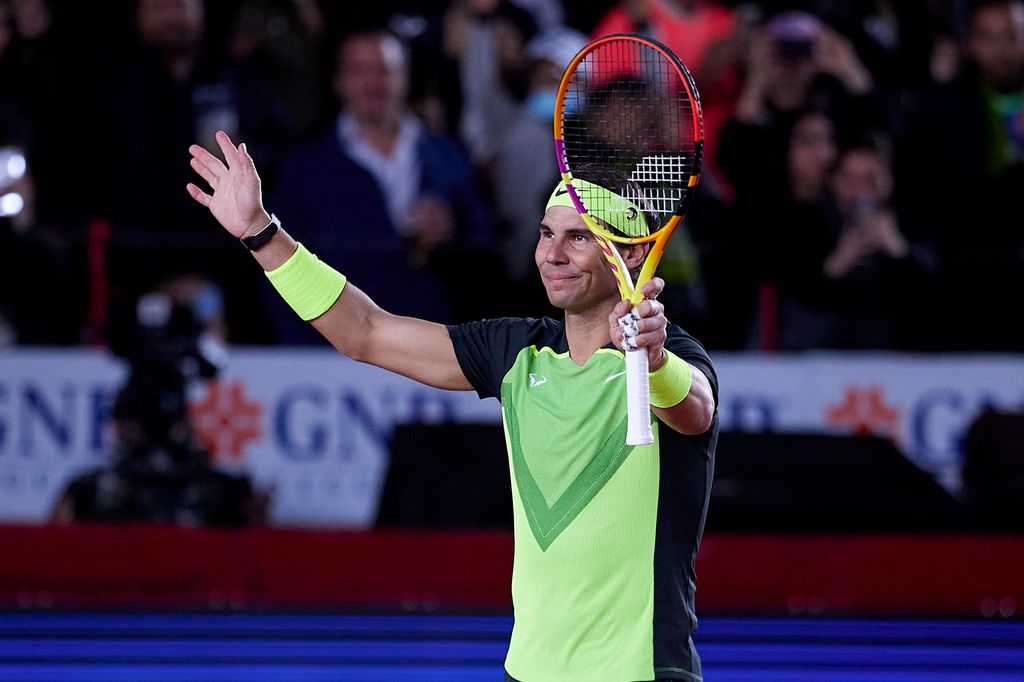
(366,648)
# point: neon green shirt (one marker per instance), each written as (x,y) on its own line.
(605,533)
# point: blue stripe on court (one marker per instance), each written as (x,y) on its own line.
(78,647)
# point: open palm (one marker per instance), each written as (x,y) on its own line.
(236,201)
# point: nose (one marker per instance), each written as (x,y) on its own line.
(554,251)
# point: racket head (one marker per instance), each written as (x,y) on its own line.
(626,104)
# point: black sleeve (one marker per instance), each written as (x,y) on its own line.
(688,348)
(487,349)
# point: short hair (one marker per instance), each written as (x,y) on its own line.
(371,33)
(873,142)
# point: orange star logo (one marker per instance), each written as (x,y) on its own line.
(224,421)
(864,411)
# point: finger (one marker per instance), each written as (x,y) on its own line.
(620,309)
(651,324)
(227,147)
(204,157)
(204,172)
(650,340)
(650,308)
(244,157)
(616,335)
(653,288)
(614,330)
(199,195)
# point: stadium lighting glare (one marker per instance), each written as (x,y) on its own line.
(11,204)
(12,165)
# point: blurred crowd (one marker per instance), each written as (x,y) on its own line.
(863,181)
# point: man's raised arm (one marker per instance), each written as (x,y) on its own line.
(353,323)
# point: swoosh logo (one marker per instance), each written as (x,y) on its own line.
(537,381)
(614,376)
(560,192)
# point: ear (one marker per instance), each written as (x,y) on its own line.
(634,255)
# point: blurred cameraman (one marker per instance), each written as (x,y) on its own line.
(158,472)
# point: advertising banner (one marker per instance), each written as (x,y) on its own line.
(312,428)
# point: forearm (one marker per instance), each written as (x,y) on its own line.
(358,328)
(750,108)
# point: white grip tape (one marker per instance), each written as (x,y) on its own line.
(638,387)
(638,399)
(627,325)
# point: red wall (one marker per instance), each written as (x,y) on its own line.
(170,567)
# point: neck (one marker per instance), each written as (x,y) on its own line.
(380,132)
(587,331)
(806,190)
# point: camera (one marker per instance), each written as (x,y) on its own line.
(794,49)
(158,472)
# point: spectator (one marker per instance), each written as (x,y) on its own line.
(280,43)
(487,39)
(33,137)
(847,273)
(525,168)
(408,195)
(978,223)
(687,27)
(165,85)
(709,38)
(427,184)
(795,62)
(893,39)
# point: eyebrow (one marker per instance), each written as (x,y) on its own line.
(571,231)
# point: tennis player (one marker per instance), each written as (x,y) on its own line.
(605,534)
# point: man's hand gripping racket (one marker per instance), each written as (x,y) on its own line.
(627,106)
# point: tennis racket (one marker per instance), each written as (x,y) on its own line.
(627,106)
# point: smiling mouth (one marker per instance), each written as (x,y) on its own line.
(558,279)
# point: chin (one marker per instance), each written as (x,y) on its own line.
(558,300)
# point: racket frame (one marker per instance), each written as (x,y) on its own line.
(639,431)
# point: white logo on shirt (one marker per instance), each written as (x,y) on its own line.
(536,380)
(614,376)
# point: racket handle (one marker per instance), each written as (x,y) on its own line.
(638,399)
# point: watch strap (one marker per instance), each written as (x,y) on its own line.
(258,240)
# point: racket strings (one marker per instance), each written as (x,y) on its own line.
(627,112)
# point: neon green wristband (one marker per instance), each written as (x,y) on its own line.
(670,383)
(307,284)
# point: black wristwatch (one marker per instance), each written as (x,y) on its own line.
(259,240)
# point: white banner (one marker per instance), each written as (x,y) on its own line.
(313,427)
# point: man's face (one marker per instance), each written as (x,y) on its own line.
(572,267)
(173,26)
(371,79)
(996,43)
(812,149)
(862,178)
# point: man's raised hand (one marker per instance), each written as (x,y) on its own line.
(236,202)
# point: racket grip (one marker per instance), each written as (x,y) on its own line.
(638,399)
